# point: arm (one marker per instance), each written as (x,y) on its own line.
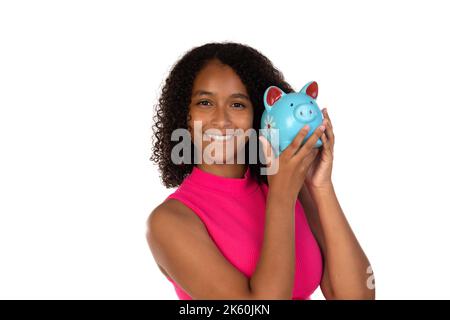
(183,248)
(346,266)
(276,268)
(345,263)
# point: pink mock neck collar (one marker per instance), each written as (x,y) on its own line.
(212,182)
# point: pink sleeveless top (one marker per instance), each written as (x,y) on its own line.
(233,212)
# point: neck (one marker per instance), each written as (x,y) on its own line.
(224,170)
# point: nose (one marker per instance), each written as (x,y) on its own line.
(221,118)
(305,112)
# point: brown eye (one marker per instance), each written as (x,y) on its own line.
(238,105)
(202,103)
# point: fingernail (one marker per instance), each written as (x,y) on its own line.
(306,127)
(322,128)
(324,110)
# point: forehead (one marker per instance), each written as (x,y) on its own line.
(217,77)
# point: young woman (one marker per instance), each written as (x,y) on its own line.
(228,231)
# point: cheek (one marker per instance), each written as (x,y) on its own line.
(195,117)
(244,121)
(198,115)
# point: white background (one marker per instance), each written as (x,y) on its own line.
(78,81)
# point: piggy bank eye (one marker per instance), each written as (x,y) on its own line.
(292,104)
(311,102)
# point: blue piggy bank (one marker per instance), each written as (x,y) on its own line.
(289,113)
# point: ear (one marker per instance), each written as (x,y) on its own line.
(311,89)
(272,95)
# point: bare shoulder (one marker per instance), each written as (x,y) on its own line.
(170,214)
(169,220)
(184,251)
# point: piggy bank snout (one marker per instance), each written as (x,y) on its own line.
(305,112)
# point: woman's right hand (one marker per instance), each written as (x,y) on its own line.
(286,173)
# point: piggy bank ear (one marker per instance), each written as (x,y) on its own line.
(272,95)
(311,89)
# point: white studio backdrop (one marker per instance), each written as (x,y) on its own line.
(78,82)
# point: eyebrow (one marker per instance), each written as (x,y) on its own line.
(208,93)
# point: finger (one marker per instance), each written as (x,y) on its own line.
(297,142)
(326,144)
(329,132)
(327,116)
(311,156)
(309,144)
(309,160)
(325,141)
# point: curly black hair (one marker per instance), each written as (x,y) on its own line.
(257,73)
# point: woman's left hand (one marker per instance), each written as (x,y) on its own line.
(319,175)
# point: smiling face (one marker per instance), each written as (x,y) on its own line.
(220,101)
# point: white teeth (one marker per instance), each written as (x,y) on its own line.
(220,137)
